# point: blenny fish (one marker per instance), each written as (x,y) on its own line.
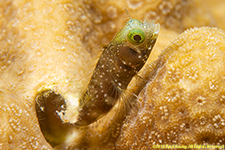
(119,62)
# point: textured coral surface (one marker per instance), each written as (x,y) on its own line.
(184,102)
(52,45)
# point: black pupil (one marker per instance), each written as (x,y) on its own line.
(137,38)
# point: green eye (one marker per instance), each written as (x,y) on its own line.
(136,36)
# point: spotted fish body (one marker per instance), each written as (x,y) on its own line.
(120,61)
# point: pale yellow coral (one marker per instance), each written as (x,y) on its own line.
(183,103)
(49,44)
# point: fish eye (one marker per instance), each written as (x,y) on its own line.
(136,36)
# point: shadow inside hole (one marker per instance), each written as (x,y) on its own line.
(48,105)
